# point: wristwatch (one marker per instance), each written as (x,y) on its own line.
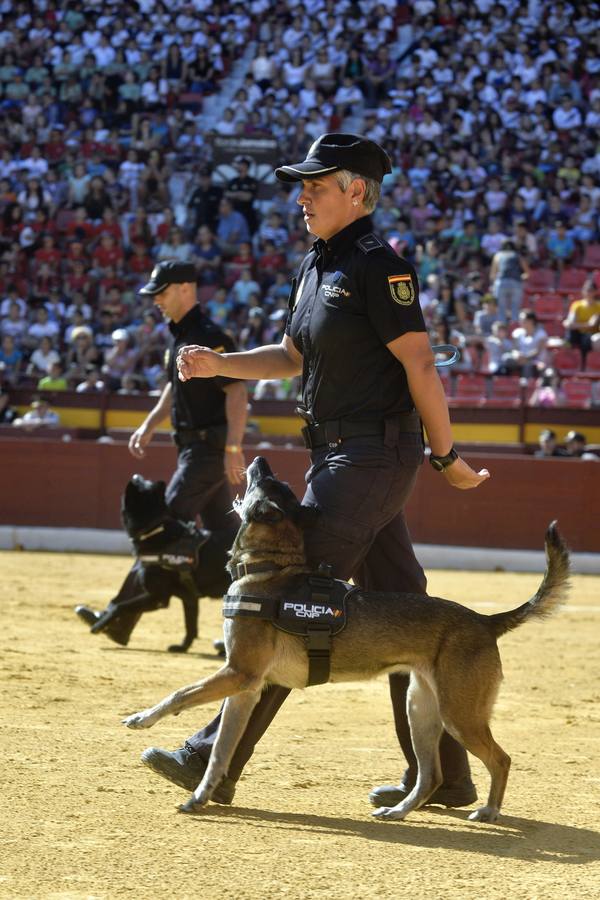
(440,463)
(232,448)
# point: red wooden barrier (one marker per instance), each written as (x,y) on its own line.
(79,484)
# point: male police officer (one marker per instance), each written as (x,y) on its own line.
(208,417)
(356,333)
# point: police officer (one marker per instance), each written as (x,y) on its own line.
(242,190)
(208,418)
(356,333)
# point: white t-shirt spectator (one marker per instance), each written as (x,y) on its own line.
(42,361)
(566,118)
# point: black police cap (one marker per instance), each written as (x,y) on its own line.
(332,152)
(169,271)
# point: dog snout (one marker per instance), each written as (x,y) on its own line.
(258,469)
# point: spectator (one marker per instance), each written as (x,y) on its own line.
(575,443)
(232,228)
(42,358)
(120,360)
(548,391)
(92,382)
(548,446)
(54,380)
(38,414)
(241,192)
(583,318)
(7,413)
(529,344)
(507,272)
(560,246)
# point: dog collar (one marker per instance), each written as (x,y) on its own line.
(240,570)
(148,534)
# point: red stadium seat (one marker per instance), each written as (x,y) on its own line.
(205,292)
(506,392)
(553,327)
(540,280)
(591,257)
(191,100)
(592,363)
(571,281)
(469,390)
(567,360)
(548,306)
(578,392)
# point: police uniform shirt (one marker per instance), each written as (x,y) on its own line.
(199,402)
(352,296)
(248,185)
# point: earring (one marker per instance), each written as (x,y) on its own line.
(355,203)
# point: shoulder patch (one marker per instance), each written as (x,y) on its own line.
(369,242)
(402,289)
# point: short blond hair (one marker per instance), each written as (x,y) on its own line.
(372,188)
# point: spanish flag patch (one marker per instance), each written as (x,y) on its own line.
(402,289)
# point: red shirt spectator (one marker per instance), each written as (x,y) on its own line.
(48,253)
(80,227)
(108,253)
(139,262)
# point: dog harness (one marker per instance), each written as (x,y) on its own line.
(180,554)
(315,611)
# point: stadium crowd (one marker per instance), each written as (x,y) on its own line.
(488,110)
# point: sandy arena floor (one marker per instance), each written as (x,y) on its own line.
(84,819)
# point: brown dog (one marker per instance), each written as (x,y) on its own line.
(449,650)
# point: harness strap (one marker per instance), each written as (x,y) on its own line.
(318,648)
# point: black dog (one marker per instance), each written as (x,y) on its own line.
(173,559)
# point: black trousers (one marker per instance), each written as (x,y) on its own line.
(198,487)
(361,489)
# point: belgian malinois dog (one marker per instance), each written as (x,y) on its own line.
(450,651)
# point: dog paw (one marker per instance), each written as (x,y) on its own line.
(389,813)
(192,807)
(485,814)
(142,719)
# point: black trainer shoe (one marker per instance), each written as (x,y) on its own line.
(113,629)
(185,768)
(87,615)
(456,794)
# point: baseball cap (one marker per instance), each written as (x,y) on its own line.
(332,152)
(169,271)
(575,436)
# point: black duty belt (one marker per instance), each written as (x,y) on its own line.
(214,436)
(334,431)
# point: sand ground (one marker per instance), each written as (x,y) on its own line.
(82,818)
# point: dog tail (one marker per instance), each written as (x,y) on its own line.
(551,593)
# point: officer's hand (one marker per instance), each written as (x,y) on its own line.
(197,362)
(138,442)
(235,466)
(461,475)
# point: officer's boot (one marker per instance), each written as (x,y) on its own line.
(456,789)
(186,766)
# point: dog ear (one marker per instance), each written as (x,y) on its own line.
(266,511)
(307,516)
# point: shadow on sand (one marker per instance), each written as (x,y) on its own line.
(513,837)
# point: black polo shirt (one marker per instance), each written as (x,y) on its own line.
(199,402)
(352,296)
